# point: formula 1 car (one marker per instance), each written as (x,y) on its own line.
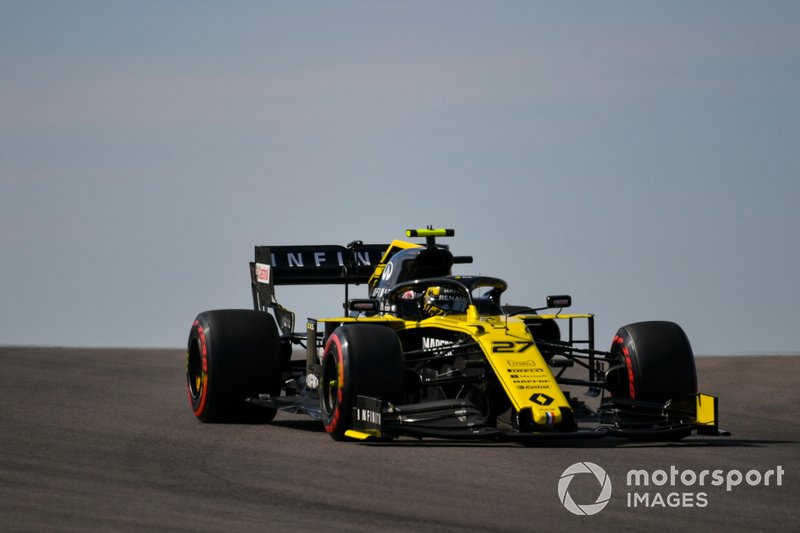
(432,354)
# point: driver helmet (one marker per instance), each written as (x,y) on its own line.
(442,300)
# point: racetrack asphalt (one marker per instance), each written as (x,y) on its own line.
(103,439)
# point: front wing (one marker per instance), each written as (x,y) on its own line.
(460,419)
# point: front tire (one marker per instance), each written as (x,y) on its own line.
(652,361)
(359,360)
(232,355)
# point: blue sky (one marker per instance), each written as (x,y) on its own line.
(641,156)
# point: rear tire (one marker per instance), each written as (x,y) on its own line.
(232,355)
(652,361)
(359,360)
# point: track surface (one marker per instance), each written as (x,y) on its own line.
(103,439)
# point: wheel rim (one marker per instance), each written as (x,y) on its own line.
(194,369)
(330,385)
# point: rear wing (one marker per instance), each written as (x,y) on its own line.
(316,265)
(309,265)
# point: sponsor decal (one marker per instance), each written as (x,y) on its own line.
(542,399)
(368,416)
(295,260)
(379,292)
(529,362)
(320,258)
(428,343)
(387,271)
(262,273)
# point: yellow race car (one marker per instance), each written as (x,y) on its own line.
(432,354)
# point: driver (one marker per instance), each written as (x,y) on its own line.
(443,300)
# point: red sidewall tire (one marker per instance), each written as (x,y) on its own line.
(232,355)
(359,359)
(197,374)
(337,411)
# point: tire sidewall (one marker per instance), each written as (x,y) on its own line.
(198,354)
(622,348)
(338,420)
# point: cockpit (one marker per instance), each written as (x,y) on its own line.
(450,295)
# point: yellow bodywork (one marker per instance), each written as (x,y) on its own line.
(510,351)
(706,410)
(506,342)
(508,347)
(357,435)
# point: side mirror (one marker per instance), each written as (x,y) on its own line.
(560,301)
(366,305)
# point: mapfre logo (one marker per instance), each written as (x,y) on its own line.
(584,509)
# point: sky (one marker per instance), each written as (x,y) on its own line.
(641,156)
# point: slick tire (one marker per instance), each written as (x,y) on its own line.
(652,361)
(232,355)
(359,360)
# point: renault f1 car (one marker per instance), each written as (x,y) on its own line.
(432,354)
